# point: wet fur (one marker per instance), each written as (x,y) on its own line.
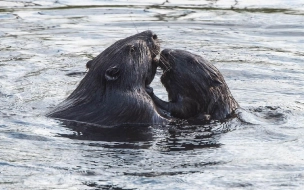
(195,87)
(113,90)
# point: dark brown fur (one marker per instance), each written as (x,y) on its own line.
(196,88)
(113,90)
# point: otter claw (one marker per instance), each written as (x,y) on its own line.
(149,90)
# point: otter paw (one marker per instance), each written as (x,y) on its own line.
(149,90)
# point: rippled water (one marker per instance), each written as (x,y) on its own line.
(257,45)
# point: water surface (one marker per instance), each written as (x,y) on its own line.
(257,45)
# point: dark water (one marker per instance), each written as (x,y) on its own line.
(257,45)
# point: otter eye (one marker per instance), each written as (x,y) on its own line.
(132,49)
(112,73)
(154,36)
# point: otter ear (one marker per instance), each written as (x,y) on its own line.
(112,73)
(89,64)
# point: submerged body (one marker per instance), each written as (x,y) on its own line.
(113,90)
(196,89)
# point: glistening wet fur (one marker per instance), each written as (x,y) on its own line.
(113,91)
(195,87)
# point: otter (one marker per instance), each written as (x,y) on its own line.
(113,90)
(196,89)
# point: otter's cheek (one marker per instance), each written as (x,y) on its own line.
(168,81)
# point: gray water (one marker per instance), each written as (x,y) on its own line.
(257,45)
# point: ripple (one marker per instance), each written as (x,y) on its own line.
(257,45)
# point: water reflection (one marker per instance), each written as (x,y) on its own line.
(167,138)
(94,132)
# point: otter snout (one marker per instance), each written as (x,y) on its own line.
(164,62)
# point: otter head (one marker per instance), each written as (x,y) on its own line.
(188,75)
(126,64)
(138,52)
(124,67)
(184,74)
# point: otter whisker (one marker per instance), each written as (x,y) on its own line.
(165,62)
(200,83)
(116,82)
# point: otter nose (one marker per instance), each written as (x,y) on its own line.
(166,52)
(154,36)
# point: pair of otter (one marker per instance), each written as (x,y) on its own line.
(116,88)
